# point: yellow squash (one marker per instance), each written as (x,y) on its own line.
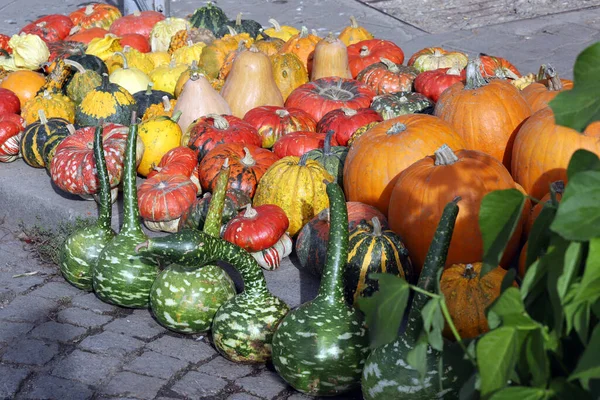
(105,47)
(159,58)
(289,72)
(354,33)
(54,105)
(214,56)
(282,32)
(187,54)
(131,79)
(160,110)
(134,58)
(159,135)
(165,77)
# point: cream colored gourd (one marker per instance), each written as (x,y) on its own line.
(130,78)
(250,83)
(197,99)
(330,59)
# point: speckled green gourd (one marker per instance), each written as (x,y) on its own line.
(392,105)
(320,348)
(185,300)
(332,158)
(243,327)
(121,276)
(80,251)
(387,374)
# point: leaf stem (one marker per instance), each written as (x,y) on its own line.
(425,292)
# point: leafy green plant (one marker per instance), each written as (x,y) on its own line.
(544,337)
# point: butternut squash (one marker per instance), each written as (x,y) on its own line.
(330,59)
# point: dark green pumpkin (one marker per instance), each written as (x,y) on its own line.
(53,142)
(332,158)
(195,216)
(37,134)
(373,250)
(149,97)
(210,17)
(393,105)
(109,102)
(82,82)
(90,62)
(240,25)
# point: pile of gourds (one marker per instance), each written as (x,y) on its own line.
(244,138)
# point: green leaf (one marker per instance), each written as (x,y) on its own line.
(537,359)
(509,302)
(468,391)
(497,355)
(499,216)
(540,234)
(384,310)
(581,161)
(588,366)
(573,257)
(433,323)
(580,106)
(556,256)
(533,281)
(589,290)
(521,393)
(508,280)
(578,216)
(564,390)
(417,357)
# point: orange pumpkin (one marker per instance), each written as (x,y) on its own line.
(486,115)
(431,58)
(378,156)
(559,187)
(468,297)
(498,67)
(542,151)
(303,45)
(25,84)
(423,189)
(522,268)
(354,33)
(539,94)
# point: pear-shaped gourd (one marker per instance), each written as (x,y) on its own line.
(121,276)
(197,99)
(185,300)
(159,134)
(131,78)
(79,253)
(320,347)
(330,59)
(250,83)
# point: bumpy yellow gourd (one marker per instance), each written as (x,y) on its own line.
(54,105)
(354,33)
(130,78)
(159,58)
(282,32)
(159,135)
(105,47)
(165,77)
(187,54)
(135,59)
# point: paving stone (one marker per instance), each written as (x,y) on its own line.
(51,387)
(10,379)
(8,284)
(224,368)
(64,333)
(130,384)
(84,318)
(93,303)
(10,330)
(156,364)
(56,291)
(300,396)
(267,384)
(195,385)
(85,367)
(243,396)
(28,309)
(32,352)
(138,325)
(110,343)
(184,349)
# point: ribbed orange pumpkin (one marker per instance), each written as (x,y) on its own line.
(423,189)
(303,45)
(539,94)
(378,156)
(486,115)
(468,297)
(542,151)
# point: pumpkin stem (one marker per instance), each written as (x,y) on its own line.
(76,65)
(303,160)
(232,31)
(445,156)
(74,30)
(474,78)
(349,112)
(554,83)
(331,38)
(558,187)
(391,66)
(133,117)
(176,116)
(303,32)
(282,113)
(314,32)
(225,163)
(376,226)
(250,212)
(42,116)
(122,55)
(327,143)
(275,24)
(105,82)
(149,89)
(72,130)
(248,161)
(353,22)
(190,42)
(364,51)
(219,121)
(194,65)
(238,19)
(454,70)
(89,10)
(46,95)
(172,64)
(166,103)
(470,272)
(253,49)
(397,128)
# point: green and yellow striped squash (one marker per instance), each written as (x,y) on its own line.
(37,134)
(109,102)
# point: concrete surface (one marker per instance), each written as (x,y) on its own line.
(58,342)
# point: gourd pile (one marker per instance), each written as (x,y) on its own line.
(255,142)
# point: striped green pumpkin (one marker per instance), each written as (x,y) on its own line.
(37,134)
(373,250)
(209,17)
(52,143)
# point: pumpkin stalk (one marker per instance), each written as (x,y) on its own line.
(303,160)
(557,187)
(212,225)
(376,226)
(42,115)
(275,24)
(397,128)
(303,32)
(105,210)
(219,122)
(353,22)
(250,212)
(364,51)
(349,112)
(166,103)
(75,65)
(122,55)
(131,212)
(475,79)
(177,115)
(469,272)
(149,89)
(232,31)
(327,142)
(282,113)
(248,161)
(445,156)
(554,82)
(72,130)
(390,65)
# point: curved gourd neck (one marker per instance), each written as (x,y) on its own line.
(212,224)
(105,211)
(131,212)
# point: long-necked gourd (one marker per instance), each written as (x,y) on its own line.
(243,327)
(387,373)
(185,300)
(320,348)
(81,250)
(121,276)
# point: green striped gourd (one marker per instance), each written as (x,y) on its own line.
(121,276)
(80,251)
(210,17)
(331,158)
(373,250)
(52,143)
(387,374)
(320,348)
(37,134)
(243,327)
(186,300)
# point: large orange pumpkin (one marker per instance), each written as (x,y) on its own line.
(468,297)
(378,156)
(25,84)
(486,115)
(542,151)
(423,189)
(539,94)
